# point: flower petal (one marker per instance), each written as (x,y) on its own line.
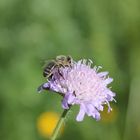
(97,116)
(65,102)
(108,81)
(71,98)
(81,114)
(102,74)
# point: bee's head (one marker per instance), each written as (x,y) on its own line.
(69,58)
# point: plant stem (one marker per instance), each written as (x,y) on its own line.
(59,124)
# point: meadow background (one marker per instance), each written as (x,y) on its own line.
(32,31)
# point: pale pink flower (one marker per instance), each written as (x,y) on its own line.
(84,86)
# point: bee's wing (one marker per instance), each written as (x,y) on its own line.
(48,62)
(60,57)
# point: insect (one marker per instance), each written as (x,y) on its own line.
(59,62)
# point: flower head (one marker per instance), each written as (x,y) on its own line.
(84,86)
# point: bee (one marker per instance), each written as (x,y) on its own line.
(57,63)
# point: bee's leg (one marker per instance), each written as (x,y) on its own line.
(74,94)
(49,77)
(60,73)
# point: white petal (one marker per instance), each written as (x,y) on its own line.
(102,74)
(108,80)
(81,114)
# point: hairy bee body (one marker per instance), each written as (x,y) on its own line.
(59,62)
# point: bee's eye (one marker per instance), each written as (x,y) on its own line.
(69,58)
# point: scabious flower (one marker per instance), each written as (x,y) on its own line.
(84,86)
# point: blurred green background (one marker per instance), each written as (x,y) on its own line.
(31,31)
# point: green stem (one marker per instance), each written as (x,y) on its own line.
(59,124)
